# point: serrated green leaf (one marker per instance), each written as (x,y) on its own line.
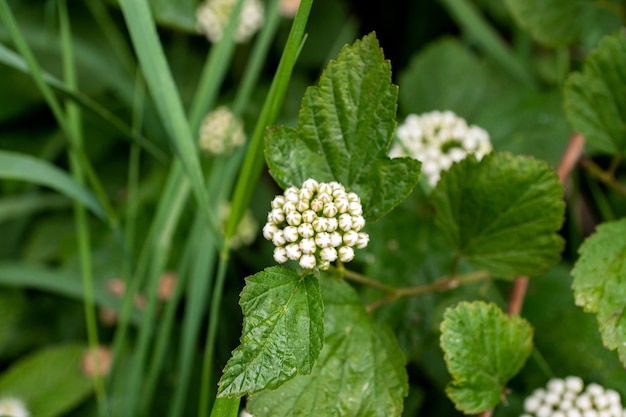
(502,213)
(561,22)
(360,372)
(283,330)
(599,282)
(49,381)
(483,349)
(595,100)
(345,127)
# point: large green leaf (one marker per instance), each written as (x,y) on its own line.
(360,372)
(600,282)
(560,22)
(502,213)
(345,127)
(283,330)
(17,166)
(50,381)
(483,349)
(595,100)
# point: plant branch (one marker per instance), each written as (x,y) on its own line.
(604,176)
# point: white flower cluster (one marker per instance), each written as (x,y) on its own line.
(221,132)
(12,407)
(316,224)
(213,16)
(439,139)
(566,398)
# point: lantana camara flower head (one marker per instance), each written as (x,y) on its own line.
(213,15)
(568,397)
(439,139)
(316,224)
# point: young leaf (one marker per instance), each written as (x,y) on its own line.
(502,213)
(345,127)
(595,100)
(282,334)
(49,381)
(483,349)
(558,23)
(599,276)
(359,373)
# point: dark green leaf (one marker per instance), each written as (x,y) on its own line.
(49,381)
(559,22)
(345,127)
(282,335)
(502,213)
(360,372)
(599,282)
(595,100)
(483,349)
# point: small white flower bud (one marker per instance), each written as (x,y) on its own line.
(306,230)
(324,188)
(330,210)
(309,216)
(332,224)
(353,198)
(340,194)
(605,413)
(328,254)
(544,411)
(294,218)
(307,261)
(362,240)
(574,412)
(613,396)
(324,265)
(350,237)
(584,402)
(358,222)
(322,239)
(532,404)
(291,233)
(279,238)
(595,389)
(310,184)
(293,251)
(590,413)
(616,410)
(280,254)
(278,201)
(305,194)
(569,395)
(335,239)
(574,384)
(276,216)
(324,198)
(320,224)
(346,254)
(566,405)
(302,206)
(292,194)
(269,230)
(558,414)
(355,209)
(335,186)
(556,385)
(551,398)
(601,401)
(345,221)
(317,205)
(342,205)
(289,206)
(308,245)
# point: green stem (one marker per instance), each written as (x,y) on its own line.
(74,122)
(604,176)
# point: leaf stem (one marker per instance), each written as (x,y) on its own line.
(365,280)
(604,176)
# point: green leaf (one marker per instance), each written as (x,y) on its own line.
(282,335)
(561,22)
(49,381)
(345,127)
(599,282)
(360,372)
(502,213)
(483,349)
(595,100)
(16,166)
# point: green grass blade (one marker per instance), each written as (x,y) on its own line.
(469,18)
(26,204)
(166,98)
(17,166)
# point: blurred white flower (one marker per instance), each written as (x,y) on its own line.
(13,407)
(213,15)
(569,398)
(316,225)
(247,229)
(439,139)
(221,132)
